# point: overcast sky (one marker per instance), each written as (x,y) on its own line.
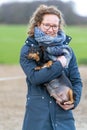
(81,5)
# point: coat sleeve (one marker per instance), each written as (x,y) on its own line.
(38,77)
(75,79)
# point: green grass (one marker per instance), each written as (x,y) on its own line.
(12,38)
(79,42)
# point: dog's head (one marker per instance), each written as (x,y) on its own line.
(34,53)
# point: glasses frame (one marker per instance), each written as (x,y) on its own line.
(54,27)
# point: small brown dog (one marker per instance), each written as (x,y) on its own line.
(59,88)
(34,54)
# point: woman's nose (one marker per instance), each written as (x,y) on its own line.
(50,29)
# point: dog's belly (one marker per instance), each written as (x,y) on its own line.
(60,89)
(63,92)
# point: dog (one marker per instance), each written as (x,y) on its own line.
(59,88)
(34,53)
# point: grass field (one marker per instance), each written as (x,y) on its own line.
(79,42)
(12,38)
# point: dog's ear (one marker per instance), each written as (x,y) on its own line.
(42,48)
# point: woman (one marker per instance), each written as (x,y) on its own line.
(42,111)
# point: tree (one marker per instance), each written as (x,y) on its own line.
(20,13)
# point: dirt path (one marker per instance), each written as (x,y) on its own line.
(13,93)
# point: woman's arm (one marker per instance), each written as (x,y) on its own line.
(75,79)
(42,76)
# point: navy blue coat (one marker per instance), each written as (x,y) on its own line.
(42,112)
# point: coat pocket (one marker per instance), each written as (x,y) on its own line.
(63,114)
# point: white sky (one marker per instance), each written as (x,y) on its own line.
(81,5)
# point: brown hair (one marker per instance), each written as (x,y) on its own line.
(37,17)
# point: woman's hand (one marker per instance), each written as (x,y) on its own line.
(65,106)
(62,60)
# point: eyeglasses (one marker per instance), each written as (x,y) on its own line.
(48,26)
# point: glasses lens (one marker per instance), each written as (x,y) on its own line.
(48,26)
(55,27)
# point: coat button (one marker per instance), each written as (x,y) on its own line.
(55,125)
(42,97)
(26,41)
(28,98)
(50,101)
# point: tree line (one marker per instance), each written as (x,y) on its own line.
(20,13)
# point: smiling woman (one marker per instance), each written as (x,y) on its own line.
(45,111)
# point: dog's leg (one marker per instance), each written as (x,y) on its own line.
(38,68)
(71,96)
(34,56)
(48,64)
(71,99)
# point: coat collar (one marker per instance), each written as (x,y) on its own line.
(68,39)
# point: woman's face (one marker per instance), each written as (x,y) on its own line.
(50,24)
